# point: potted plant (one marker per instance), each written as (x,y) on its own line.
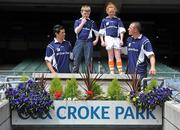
(91,87)
(29,99)
(153,95)
(90,106)
(71,91)
(56,88)
(115,91)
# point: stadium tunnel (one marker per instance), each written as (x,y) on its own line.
(26,26)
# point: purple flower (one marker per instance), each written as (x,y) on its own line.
(30,82)
(153,98)
(20,86)
(29,98)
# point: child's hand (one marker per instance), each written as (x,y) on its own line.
(83,21)
(95,42)
(121,42)
(103,44)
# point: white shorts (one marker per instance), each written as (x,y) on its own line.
(112,43)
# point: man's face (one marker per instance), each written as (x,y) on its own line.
(61,34)
(132,29)
(85,13)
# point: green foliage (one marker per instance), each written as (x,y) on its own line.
(24,78)
(55,86)
(153,83)
(114,91)
(71,89)
(96,89)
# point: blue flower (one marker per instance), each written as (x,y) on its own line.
(30,82)
(157,96)
(29,98)
(20,86)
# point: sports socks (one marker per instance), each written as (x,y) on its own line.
(111,66)
(119,66)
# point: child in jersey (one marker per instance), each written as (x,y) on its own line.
(111,34)
(84,27)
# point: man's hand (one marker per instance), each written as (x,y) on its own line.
(54,73)
(152,71)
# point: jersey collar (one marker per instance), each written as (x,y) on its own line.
(112,17)
(56,41)
(87,18)
(140,36)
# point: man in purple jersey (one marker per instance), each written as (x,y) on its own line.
(84,27)
(58,52)
(139,50)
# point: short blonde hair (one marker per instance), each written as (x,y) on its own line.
(110,5)
(86,8)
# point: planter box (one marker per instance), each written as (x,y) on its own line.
(94,113)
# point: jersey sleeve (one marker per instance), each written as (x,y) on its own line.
(102,28)
(147,48)
(49,53)
(121,28)
(76,24)
(94,28)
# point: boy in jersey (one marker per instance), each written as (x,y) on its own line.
(84,27)
(111,35)
(58,52)
(139,50)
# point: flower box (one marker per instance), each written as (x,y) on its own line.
(93,112)
(137,108)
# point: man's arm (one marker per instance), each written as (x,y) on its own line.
(50,67)
(152,70)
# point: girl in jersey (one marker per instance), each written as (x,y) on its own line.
(111,34)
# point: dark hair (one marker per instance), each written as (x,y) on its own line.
(57,28)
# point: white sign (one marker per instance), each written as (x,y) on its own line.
(94,113)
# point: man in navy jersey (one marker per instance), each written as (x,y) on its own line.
(84,27)
(58,52)
(139,50)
